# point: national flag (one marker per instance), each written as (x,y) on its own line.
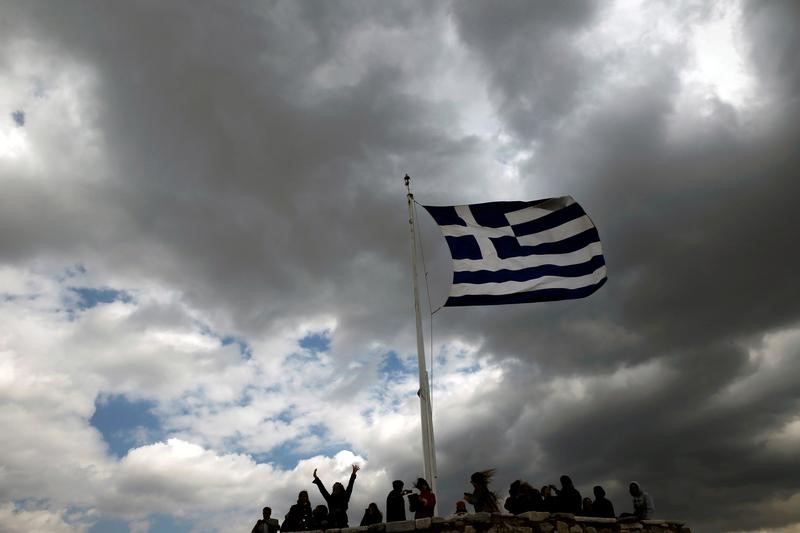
(518,252)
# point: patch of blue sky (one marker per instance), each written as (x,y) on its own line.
(125,423)
(245,350)
(286,455)
(316,342)
(88,297)
(471,369)
(392,367)
(159,523)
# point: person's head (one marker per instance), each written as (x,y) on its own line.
(421,484)
(338,488)
(373,508)
(513,490)
(546,491)
(566,482)
(266,512)
(302,497)
(599,492)
(524,488)
(634,489)
(587,504)
(481,479)
(320,511)
(461,506)
(397,484)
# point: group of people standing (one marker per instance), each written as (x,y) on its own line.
(522,498)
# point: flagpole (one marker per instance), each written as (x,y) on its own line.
(428,447)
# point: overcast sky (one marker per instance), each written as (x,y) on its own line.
(205,287)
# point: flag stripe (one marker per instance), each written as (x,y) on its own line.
(558,233)
(460,289)
(551,220)
(501,276)
(514,252)
(510,247)
(518,263)
(545,295)
(539,210)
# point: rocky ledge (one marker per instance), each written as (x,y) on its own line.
(532,522)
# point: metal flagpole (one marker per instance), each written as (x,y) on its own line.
(428,448)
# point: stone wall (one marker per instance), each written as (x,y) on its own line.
(532,522)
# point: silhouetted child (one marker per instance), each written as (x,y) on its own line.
(338,500)
(319,518)
(483,499)
(586,507)
(372,515)
(461,507)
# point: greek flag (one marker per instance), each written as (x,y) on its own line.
(518,252)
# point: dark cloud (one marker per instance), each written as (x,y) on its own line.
(255,167)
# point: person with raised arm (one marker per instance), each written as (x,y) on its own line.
(338,499)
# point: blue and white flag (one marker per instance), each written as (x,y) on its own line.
(518,252)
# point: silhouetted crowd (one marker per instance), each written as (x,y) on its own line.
(522,498)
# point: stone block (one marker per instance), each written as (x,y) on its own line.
(685,530)
(562,527)
(625,526)
(478,518)
(654,522)
(545,527)
(353,529)
(397,527)
(377,528)
(334,530)
(469,529)
(595,520)
(534,516)
(444,519)
(569,517)
(590,529)
(606,530)
(576,529)
(422,523)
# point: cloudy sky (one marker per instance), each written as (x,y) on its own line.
(205,287)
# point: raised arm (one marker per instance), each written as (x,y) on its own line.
(318,482)
(349,489)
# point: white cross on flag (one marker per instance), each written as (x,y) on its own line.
(518,252)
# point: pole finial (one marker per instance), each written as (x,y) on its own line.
(407,179)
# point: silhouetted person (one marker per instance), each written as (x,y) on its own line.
(602,506)
(643,507)
(299,516)
(549,500)
(424,503)
(266,524)
(396,503)
(461,507)
(319,517)
(337,500)
(529,498)
(569,499)
(586,507)
(481,498)
(372,515)
(512,502)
